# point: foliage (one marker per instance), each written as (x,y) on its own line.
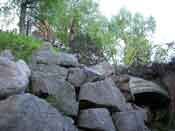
(88,51)
(135,31)
(164,53)
(69,20)
(161,54)
(21,46)
(80,26)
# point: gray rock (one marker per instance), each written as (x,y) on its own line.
(143,112)
(138,85)
(129,121)
(96,119)
(104,68)
(47,55)
(69,124)
(8,54)
(13,80)
(50,70)
(142,89)
(102,93)
(67,60)
(24,67)
(122,82)
(61,93)
(41,71)
(29,113)
(127,107)
(93,75)
(77,77)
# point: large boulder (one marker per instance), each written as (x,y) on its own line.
(47,55)
(25,70)
(122,81)
(101,94)
(129,121)
(29,113)
(104,68)
(41,70)
(79,76)
(143,89)
(8,54)
(93,75)
(67,60)
(61,93)
(96,119)
(13,79)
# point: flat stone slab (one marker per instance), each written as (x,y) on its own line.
(138,85)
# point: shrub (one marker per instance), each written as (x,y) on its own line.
(21,46)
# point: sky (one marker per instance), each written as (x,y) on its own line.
(162,10)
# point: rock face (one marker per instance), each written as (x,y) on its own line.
(49,78)
(77,77)
(129,121)
(23,67)
(96,119)
(67,60)
(80,76)
(138,85)
(47,55)
(8,54)
(102,93)
(96,97)
(61,91)
(93,75)
(142,89)
(29,113)
(104,68)
(122,81)
(42,72)
(13,80)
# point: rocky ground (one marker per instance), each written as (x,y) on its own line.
(57,93)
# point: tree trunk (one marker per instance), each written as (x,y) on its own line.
(22,19)
(28,28)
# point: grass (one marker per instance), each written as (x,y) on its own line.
(21,46)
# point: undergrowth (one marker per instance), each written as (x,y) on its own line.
(21,46)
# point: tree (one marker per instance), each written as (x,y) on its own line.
(26,10)
(135,31)
(79,21)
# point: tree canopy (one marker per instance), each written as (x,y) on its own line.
(84,30)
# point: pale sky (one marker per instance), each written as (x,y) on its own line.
(162,10)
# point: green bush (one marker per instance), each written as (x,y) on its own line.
(21,46)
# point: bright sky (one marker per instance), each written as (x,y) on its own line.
(162,10)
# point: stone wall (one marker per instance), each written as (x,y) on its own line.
(58,93)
